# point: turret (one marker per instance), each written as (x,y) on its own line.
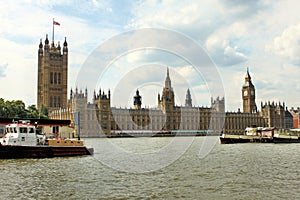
(71,93)
(46,47)
(65,48)
(218,104)
(58,47)
(102,101)
(188,99)
(137,102)
(41,52)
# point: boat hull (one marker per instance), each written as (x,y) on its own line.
(286,140)
(14,152)
(233,140)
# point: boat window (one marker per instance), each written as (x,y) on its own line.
(7,130)
(15,130)
(11,130)
(31,130)
(23,129)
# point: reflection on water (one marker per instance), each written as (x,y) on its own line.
(238,171)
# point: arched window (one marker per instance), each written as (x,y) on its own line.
(51,78)
(50,103)
(54,102)
(58,101)
(59,81)
(55,80)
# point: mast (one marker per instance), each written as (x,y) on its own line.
(53,30)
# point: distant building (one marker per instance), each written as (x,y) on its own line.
(100,118)
(295,112)
(288,119)
(274,114)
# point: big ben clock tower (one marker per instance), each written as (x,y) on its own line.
(248,95)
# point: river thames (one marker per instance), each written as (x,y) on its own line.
(229,171)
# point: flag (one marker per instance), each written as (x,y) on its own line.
(56,23)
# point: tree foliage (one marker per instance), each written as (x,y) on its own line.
(17,109)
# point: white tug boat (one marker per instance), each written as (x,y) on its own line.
(22,140)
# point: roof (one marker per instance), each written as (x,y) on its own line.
(51,122)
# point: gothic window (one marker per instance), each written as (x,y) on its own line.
(50,102)
(58,79)
(51,78)
(58,101)
(54,104)
(55,78)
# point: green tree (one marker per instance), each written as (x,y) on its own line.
(17,109)
(2,108)
(32,112)
(43,112)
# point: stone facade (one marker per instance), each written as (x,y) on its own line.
(99,118)
(52,75)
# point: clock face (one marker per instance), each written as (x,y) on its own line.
(245,93)
(252,92)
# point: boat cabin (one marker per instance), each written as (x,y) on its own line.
(21,133)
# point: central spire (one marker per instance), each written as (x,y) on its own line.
(168,80)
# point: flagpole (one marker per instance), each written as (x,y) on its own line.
(53,31)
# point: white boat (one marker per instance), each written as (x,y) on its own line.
(21,140)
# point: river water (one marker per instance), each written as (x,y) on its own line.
(230,171)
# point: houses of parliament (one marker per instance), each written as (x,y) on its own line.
(100,118)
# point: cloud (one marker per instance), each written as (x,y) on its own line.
(244,9)
(224,45)
(234,32)
(211,23)
(287,45)
(223,53)
(20,34)
(2,70)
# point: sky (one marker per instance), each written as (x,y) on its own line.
(263,35)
